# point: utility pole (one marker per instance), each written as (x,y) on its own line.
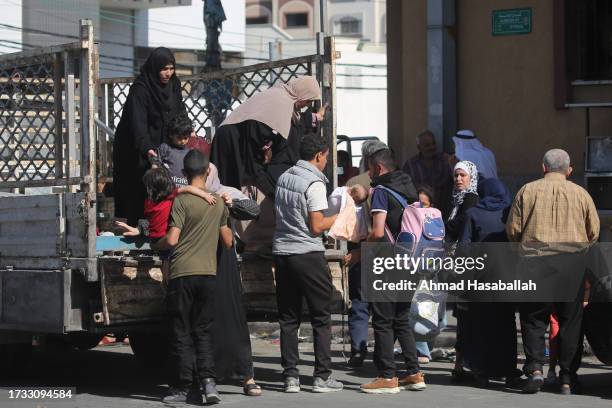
(322,25)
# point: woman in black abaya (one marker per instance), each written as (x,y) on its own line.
(154,98)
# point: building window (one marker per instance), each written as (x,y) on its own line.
(588,33)
(258,20)
(296,20)
(350,26)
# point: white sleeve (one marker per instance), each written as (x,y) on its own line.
(316,197)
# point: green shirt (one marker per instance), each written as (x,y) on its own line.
(199,222)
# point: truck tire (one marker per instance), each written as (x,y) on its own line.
(150,349)
(14,359)
(84,341)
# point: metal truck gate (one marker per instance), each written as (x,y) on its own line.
(46,118)
(210,96)
(47,145)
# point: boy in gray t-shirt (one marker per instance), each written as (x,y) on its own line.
(170,154)
(301,267)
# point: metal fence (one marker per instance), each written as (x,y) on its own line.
(210,96)
(46,116)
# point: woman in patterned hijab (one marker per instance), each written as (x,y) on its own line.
(465,196)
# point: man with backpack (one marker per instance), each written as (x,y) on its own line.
(390,319)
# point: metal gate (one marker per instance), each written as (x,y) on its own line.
(48,145)
(46,118)
(210,96)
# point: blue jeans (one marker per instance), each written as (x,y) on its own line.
(359,314)
(423,349)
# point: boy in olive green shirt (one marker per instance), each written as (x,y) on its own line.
(193,232)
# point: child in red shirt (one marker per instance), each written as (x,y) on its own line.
(161,192)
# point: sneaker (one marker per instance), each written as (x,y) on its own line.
(182,396)
(565,389)
(356,360)
(330,385)
(210,391)
(423,360)
(175,395)
(292,385)
(534,383)
(381,386)
(414,382)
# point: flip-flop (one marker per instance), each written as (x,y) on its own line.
(252,390)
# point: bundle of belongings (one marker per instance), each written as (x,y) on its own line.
(352,223)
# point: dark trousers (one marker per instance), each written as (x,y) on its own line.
(304,276)
(390,321)
(190,301)
(535,318)
(359,313)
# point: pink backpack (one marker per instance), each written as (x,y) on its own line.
(421,230)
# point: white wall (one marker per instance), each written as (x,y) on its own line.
(10,14)
(57,17)
(361,111)
(183,27)
(118,29)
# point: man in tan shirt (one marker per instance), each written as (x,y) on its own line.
(553,218)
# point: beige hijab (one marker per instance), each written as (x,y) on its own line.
(276,106)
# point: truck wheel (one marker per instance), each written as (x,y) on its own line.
(84,341)
(14,359)
(150,348)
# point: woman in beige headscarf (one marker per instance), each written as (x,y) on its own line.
(260,139)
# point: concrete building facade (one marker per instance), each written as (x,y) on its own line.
(119,26)
(359,27)
(364,19)
(522,93)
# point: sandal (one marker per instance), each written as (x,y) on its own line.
(251,390)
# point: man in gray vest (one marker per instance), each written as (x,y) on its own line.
(301,268)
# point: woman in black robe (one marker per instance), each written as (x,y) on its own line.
(154,98)
(232,339)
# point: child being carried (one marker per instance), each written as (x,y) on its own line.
(352,223)
(161,192)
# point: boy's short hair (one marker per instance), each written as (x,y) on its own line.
(180,125)
(311,145)
(158,183)
(384,158)
(195,164)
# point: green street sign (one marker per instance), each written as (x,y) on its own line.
(512,22)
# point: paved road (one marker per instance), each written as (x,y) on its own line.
(110,377)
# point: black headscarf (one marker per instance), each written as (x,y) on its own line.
(149,107)
(160,94)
